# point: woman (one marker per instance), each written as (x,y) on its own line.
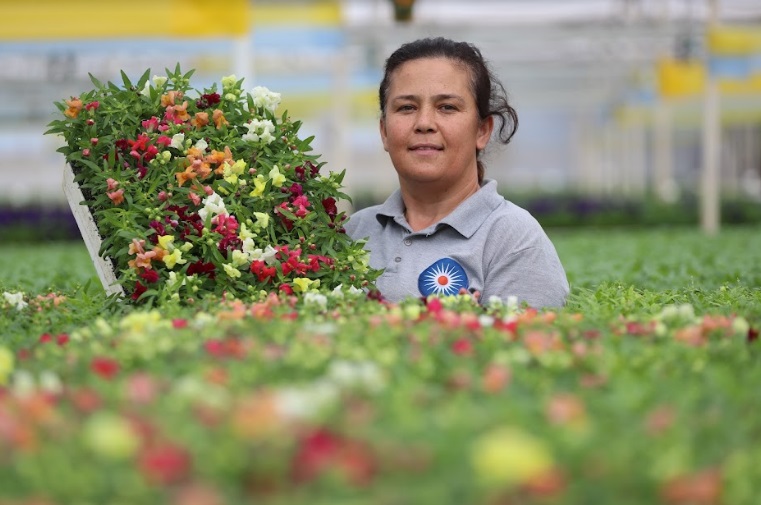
(446,229)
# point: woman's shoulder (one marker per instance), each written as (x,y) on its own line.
(362,221)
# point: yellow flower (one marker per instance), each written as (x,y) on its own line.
(170,260)
(245,233)
(239,259)
(236,168)
(6,364)
(259,185)
(277,178)
(165,241)
(301,284)
(508,456)
(110,436)
(262,220)
(231,270)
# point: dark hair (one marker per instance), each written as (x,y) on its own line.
(488,91)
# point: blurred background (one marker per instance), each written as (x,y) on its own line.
(631,111)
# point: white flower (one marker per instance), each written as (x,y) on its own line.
(213,205)
(16,299)
(362,374)
(263,97)
(300,403)
(50,382)
(178,141)
(318,300)
(259,130)
(159,80)
(23,384)
(268,255)
(201,145)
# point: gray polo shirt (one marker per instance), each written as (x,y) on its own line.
(487,243)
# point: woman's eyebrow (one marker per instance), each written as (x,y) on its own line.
(442,96)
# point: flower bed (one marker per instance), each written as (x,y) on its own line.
(340,399)
(199,192)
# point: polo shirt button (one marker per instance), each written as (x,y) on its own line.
(398,259)
(407,241)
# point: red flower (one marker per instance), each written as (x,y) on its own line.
(215,347)
(462,347)
(199,267)
(149,275)
(164,463)
(151,124)
(106,368)
(178,324)
(262,271)
(92,105)
(139,290)
(286,288)
(329,204)
(322,450)
(45,338)
(752,334)
(62,339)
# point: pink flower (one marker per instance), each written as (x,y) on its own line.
(117,197)
(141,388)
(112,184)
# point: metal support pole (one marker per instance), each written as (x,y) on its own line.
(710,184)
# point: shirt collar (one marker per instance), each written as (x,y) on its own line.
(465,219)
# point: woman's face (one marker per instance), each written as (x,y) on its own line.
(431,128)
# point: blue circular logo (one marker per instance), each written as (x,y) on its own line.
(444,277)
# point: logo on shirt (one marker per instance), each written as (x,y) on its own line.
(444,277)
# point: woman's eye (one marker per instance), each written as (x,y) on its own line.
(405,108)
(448,107)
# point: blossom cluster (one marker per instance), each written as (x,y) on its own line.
(197,192)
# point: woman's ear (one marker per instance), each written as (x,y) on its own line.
(484,132)
(382,126)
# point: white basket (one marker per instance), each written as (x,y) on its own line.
(89,232)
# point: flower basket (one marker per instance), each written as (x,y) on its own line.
(89,230)
(181,193)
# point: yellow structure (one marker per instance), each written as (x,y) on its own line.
(679,78)
(89,19)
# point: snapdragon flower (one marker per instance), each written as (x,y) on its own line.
(15,299)
(213,205)
(265,98)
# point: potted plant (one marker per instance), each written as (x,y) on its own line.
(190,192)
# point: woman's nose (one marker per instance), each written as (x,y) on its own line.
(425,121)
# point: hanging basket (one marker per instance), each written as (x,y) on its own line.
(403,10)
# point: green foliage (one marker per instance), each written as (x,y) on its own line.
(641,390)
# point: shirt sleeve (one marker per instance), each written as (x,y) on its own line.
(521,261)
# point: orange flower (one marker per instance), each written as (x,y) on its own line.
(137,246)
(220,158)
(181,111)
(183,177)
(75,107)
(169,98)
(117,196)
(219,118)
(200,120)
